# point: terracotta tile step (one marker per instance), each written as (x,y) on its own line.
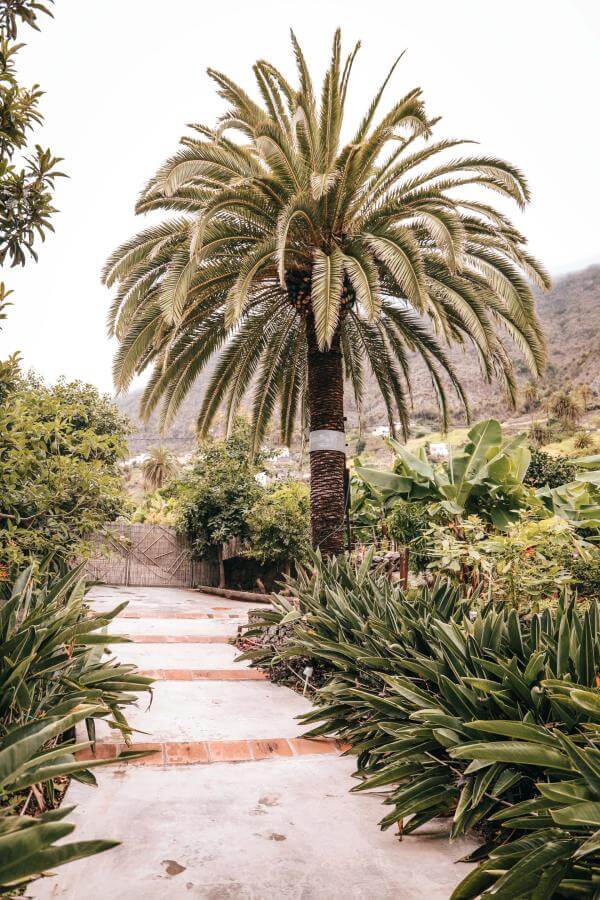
(179,638)
(238,674)
(176,753)
(216,614)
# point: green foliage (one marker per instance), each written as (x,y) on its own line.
(367,513)
(279,525)
(27,843)
(526,565)
(52,677)
(51,649)
(219,498)
(26,184)
(586,576)
(284,227)
(12,12)
(555,853)
(545,469)
(160,507)
(408,525)
(453,709)
(488,477)
(219,491)
(578,502)
(59,477)
(484,477)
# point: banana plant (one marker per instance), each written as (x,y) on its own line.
(483,477)
(578,502)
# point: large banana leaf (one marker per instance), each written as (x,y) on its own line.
(485,476)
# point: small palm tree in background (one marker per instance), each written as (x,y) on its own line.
(302,261)
(531,396)
(159,468)
(586,395)
(564,406)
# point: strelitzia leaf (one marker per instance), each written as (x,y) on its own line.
(515,753)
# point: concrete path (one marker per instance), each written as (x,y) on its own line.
(233,804)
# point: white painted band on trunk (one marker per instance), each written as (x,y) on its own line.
(324,439)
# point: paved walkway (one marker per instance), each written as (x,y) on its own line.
(233,804)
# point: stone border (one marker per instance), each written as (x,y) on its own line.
(185,753)
(204,674)
(180,638)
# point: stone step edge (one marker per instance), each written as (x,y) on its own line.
(184,615)
(238,674)
(178,753)
(179,638)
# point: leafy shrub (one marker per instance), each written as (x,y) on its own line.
(220,498)
(279,525)
(59,477)
(525,565)
(446,705)
(51,648)
(160,507)
(555,851)
(29,758)
(408,525)
(586,576)
(545,469)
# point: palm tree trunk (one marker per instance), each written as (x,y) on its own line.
(327,443)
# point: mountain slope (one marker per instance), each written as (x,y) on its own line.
(570,317)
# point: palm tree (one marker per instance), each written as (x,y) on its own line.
(531,395)
(301,261)
(586,395)
(564,406)
(159,468)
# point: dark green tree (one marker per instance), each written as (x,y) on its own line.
(218,493)
(27,174)
(279,525)
(59,452)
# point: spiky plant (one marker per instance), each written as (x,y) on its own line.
(159,468)
(564,405)
(302,260)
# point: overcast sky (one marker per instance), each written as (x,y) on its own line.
(123,77)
